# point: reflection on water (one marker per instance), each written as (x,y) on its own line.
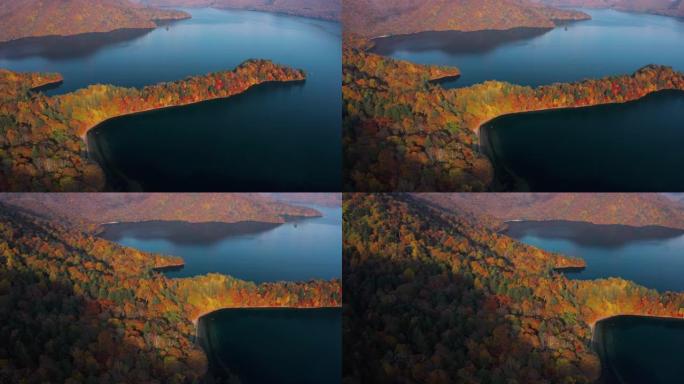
(180,232)
(454,41)
(591,235)
(67,47)
(639,350)
(610,43)
(297,250)
(650,256)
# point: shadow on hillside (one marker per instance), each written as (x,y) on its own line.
(438,329)
(52,333)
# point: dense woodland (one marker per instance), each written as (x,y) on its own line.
(374,18)
(401,131)
(78,309)
(42,145)
(435,296)
(36,18)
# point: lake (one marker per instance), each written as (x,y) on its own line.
(640,350)
(611,43)
(299,250)
(289,346)
(630,147)
(627,147)
(649,256)
(276,137)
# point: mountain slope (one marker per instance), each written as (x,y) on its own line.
(75,308)
(321,9)
(35,18)
(373,18)
(633,209)
(661,7)
(97,208)
(437,297)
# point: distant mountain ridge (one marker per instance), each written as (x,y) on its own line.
(374,18)
(320,9)
(644,209)
(660,7)
(98,208)
(37,18)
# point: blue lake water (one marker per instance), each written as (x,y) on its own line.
(649,256)
(298,250)
(611,43)
(272,138)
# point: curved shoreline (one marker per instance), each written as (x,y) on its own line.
(181,105)
(195,320)
(488,122)
(592,324)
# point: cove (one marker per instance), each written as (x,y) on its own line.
(274,345)
(610,43)
(276,137)
(298,250)
(633,146)
(635,349)
(649,256)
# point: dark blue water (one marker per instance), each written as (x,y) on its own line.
(631,147)
(288,346)
(649,256)
(272,138)
(295,251)
(637,350)
(609,44)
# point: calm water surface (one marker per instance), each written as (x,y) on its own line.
(611,43)
(650,256)
(295,251)
(637,350)
(289,346)
(272,138)
(618,147)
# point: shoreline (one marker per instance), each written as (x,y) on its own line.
(593,323)
(158,24)
(195,320)
(485,124)
(85,134)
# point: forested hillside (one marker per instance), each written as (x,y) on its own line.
(659,7)
(98,208)
(435,297)
(375,18)
(42,146)
(403,132)
(78,309)
(320,9)
(633,209)
(37,18)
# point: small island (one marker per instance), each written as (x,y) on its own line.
(42,141)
